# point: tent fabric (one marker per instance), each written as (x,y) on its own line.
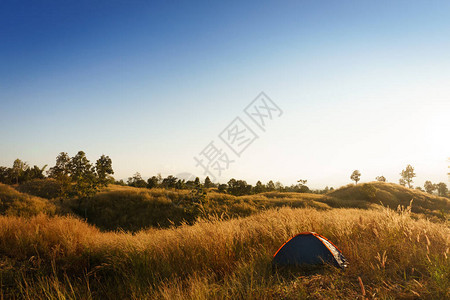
(309,248)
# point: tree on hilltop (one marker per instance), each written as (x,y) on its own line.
(77,176)
(103,168)
(82,174)
(356,176)
(61,173)
(381,178)
(408,175)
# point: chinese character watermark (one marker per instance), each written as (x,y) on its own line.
(262,110)
(213,159)
(237,136)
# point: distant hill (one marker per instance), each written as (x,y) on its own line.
(393,195)
(14,203)
(130,208)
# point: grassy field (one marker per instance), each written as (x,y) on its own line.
(65,258)
(223,248)
(128,208)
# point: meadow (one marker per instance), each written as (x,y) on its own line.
(226,251)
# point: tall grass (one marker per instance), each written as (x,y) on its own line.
(14,203)
(393,255)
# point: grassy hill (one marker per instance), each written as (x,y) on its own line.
(393,195)
(132,208)
(394,255)
(129,208)
(220,246)
(14,203)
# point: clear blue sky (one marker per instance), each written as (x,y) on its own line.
(362,84)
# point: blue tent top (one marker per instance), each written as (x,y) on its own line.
(309,248)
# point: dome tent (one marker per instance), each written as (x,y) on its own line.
(309,248)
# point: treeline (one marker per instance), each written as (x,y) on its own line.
(440,188)
(20,172)
(75,176)
(233,186)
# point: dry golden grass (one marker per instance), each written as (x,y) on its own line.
(393,195)
(14,203)
(64,258)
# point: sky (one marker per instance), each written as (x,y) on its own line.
(359,85)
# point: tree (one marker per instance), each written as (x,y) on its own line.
(169,182)
(381,178)
(82,174)
(222,188)
(136,180)
(279,186)
(152,182)
(61,167)
(120,182)
(442,189)
(429,187)
(36,172)
(408,175)
(19,167)
(356,175)
(301,186)
(61,173)
(5,175)
(208,182)
(103,168)
(270,186)
(302,181)
(402,182)
(259,187)
(180,184)
(238,187)
(77,176)
(197,182)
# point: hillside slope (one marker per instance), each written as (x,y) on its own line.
(129,208)
(393,195)
(14,203)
